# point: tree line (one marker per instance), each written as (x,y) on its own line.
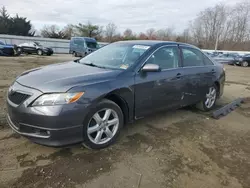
(221,26)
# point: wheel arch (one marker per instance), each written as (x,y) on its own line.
(217,84)
(125,100)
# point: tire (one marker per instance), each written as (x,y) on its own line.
(39,52)
(19,50)
(92,129)
(244,64)
(74,54)
(204,105)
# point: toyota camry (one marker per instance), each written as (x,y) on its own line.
(89,100)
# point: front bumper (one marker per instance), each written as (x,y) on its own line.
(47,125)
(48,137)
(48,51)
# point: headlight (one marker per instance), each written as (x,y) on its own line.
(57,99)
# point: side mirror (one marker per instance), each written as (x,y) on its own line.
(151,68)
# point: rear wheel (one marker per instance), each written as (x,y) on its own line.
(244,64)
(102,125)
(209,100)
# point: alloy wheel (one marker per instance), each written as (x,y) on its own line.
(39,52)
(245,64)
(103,126)
(210,97)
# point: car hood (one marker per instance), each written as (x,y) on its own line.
(64,76)
(47,48)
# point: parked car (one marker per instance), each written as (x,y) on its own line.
(34,48)
(227,58)
(244,61)
(82,46)
(89,100)
(7,49)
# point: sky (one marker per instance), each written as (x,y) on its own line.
(139,15)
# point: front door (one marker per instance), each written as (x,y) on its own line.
(159,90)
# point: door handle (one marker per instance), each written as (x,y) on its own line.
(178,76)
(213,71)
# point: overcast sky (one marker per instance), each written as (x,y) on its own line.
(139,15)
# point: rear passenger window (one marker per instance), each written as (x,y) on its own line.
(207,61)
(192,57)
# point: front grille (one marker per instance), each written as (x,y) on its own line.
(18,98)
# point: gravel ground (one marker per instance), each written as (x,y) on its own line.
(179,149)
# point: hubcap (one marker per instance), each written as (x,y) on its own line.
(245,64)
(210,97)
(39,52)
(103,126)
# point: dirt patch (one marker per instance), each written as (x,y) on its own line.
(14,135)
(68,170)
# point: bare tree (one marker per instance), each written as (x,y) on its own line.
(209,25)
(239,24)
(128,33)
(227,26)
(151,33)
(52,31)
(69,31)
(142,36)
(110,31)
(165,34)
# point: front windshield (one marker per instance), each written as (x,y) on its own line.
(115,56)
(92,45)
(37,43)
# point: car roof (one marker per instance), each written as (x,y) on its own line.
(155,42)
(82,38)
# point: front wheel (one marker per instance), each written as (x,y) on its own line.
(19,50)
(39,52)
(102,125)
(209,100)
(244,64)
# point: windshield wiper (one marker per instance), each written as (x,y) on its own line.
(94,65)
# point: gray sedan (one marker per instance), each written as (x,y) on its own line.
(89,100)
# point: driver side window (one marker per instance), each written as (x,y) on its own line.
(165,57)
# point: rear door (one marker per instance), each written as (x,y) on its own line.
(159,90)
(29,47)
(199,74)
